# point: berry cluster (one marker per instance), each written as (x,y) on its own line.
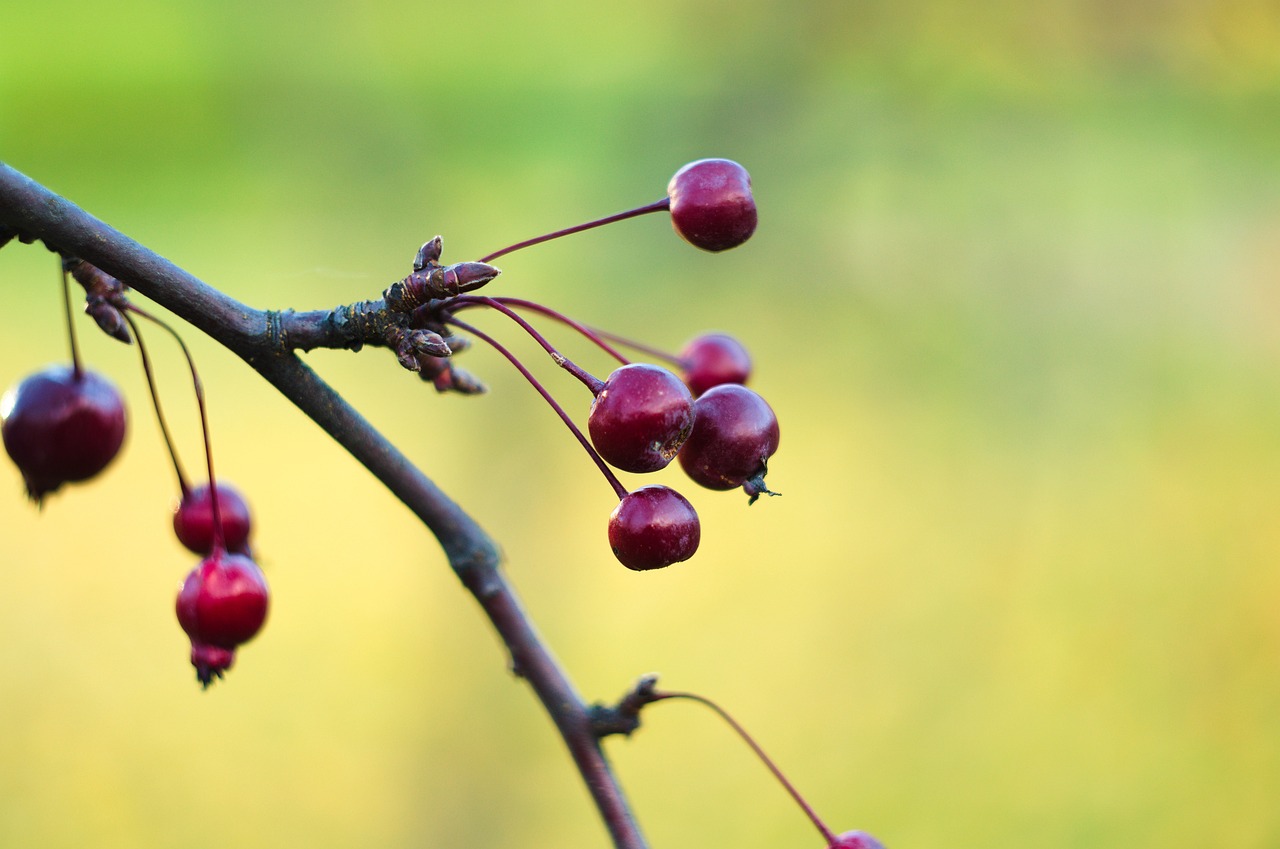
(223,600)
(66,424)
(642,415)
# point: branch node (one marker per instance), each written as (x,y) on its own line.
(624,717)
(277,336)
(105,298)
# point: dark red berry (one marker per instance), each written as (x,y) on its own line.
(734,434)
(713,359)
(222,603)
(640,418)
(856,840)
(711,204)
(653,527)
(61,426)
(193,520)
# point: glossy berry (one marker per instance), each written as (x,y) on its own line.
(711,204)
(653,527)
(640,418)
(856,840)
(61,426)
(712,359)
(735,432)
(193,520)
(222,603)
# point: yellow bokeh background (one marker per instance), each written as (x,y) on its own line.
(1014,299)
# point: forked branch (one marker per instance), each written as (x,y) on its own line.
(30,212)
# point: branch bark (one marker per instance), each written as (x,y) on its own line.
(32,212)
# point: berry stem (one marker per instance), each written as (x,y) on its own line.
(76,369)
(656,206)
(219,539)
(564,417)
(638,346)
(183,487)
(594,336)
(589,380)
(827,834)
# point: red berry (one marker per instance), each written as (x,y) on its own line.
(653,527)
(713,359)
(640,418)
(735,432)
(711,204)
(222,603)
(856,840)
(193,519)
(61,426)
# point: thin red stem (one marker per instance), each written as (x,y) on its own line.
(656,206)
(827,833)
(593,383)
(76,369)
(564,417)
(155,403)
(595,336)
(638,346)
(219,539)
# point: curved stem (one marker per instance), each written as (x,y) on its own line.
(147,371)
(594,336)
(219,538)
(33,210)
(634,345)
(593,383)
(656,206)
(546,396)
(76,369)
(827,833)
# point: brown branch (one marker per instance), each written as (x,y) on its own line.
(32,212)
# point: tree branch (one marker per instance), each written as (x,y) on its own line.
(31,212)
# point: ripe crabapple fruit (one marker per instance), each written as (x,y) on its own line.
(711,204)
(62,425)
(193,519)
(640,418)
(653,527)
(712,359)
(735,432)
(222,603)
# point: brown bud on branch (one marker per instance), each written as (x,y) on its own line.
(105,299)
(437,281)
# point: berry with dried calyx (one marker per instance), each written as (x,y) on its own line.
(711,204)
(712,359)
(735,432)
(221,605)
(653,527)
(210,661)
(193,519)
(641,416)
(62,425)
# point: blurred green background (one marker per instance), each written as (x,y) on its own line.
(1014,297)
